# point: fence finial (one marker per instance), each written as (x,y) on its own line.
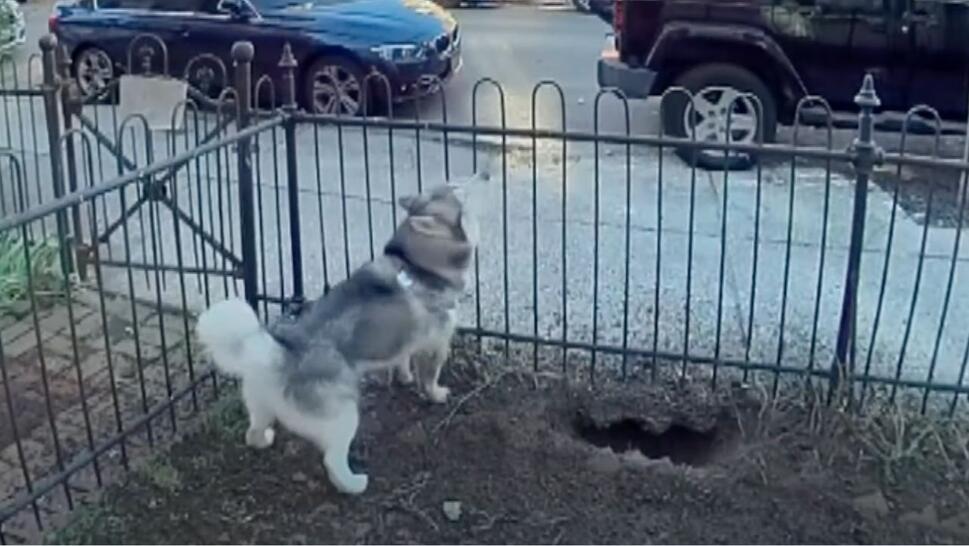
(47,42)
(287,60)
(867,97)
(288,63)
(243,51)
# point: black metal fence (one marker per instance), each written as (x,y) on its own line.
(602,253)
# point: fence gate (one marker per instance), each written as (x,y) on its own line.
(111,128)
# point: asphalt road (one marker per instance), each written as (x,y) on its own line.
(517,46)
(520,46)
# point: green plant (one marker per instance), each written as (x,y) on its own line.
(27,265)
(163,475)
(8,22)
(87,523)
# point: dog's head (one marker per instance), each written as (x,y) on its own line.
(440,230)
(445,212)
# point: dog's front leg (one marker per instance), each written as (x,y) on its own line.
(429,366)
(260,434)
(400,371)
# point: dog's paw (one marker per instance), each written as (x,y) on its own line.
(260,439)
(354,484)
(438,394)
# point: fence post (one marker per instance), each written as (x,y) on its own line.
(242,54)
(866,155)
(288,64)
(70,105)
(52,113)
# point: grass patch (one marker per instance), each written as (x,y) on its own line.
(27,265)
(88,523)
(163,475)
(226,418)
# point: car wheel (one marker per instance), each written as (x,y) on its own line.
(93,71)
(448,4)
(718,89)
(334,86)
(582,6)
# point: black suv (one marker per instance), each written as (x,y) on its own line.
(780,51)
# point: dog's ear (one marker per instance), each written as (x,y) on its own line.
(411,203)
(429,226)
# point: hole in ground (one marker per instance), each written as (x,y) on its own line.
(681,444)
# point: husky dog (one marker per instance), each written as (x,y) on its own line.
(304,372)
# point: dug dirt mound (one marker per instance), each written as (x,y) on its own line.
(512,463)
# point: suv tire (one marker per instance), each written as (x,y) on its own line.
(715,87)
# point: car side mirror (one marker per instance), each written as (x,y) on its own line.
(237,9)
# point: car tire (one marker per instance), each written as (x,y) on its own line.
(448,4)
(321,97)
(581,6)
(93,71)
(714,87)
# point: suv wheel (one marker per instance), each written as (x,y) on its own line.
(719,89)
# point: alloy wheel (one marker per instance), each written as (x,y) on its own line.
(336,90)
(94,71)
(722,115)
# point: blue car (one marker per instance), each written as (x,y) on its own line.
(416,44)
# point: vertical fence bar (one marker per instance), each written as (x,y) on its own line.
(288,64)
(242,54)
(866,155)
(964,177)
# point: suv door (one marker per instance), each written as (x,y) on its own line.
(836,42)
(936,33)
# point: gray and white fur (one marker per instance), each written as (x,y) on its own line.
(394,311)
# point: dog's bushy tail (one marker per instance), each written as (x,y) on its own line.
(237,341)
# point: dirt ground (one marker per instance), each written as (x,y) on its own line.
(521,458)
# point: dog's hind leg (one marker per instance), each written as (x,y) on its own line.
(260,433)
(336,432)
(429,364)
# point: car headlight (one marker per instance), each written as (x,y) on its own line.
(401,53)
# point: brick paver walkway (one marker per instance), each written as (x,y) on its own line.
(147,350)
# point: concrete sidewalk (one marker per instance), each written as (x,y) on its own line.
(741,310)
